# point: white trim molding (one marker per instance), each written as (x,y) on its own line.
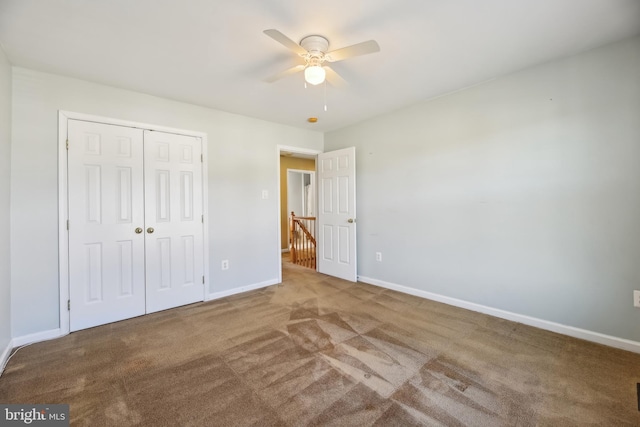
(571,331)
(4,356)
(217,295)
(23,340)
(37,337)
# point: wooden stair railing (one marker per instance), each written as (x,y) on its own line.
(302,241)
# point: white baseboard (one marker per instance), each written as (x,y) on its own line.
(57,333)
(571,331)
(222,294)
(27,339)
(37,337)
(4,356)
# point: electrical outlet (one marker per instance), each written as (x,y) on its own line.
(636,299)
(379,256)
(265,194)
(225,264)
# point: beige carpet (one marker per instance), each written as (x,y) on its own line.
(320,351)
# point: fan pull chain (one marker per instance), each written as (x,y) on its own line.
(325,95)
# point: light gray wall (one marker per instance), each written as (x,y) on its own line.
(294,193)
(242,162)
(5,179)
(521,194)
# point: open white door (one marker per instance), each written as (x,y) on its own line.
(337,213)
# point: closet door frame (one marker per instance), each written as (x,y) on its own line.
(63,200)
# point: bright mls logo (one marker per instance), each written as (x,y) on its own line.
(35,415)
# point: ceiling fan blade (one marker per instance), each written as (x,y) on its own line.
(334,78)
(286,41)
(363,48)
(284,73)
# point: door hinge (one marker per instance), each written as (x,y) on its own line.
(67,224)
(68,305)
(203,280)
(201,158)
(67,145)
(203,219)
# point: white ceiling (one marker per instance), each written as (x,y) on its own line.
(213,52)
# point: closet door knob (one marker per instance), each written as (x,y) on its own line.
(150,230)
(139,230)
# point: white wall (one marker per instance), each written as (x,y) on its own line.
(521,194)
(5,179)
(294,193)
(242,162)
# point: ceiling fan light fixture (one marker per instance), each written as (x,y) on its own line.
(314,74)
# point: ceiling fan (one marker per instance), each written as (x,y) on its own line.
(313,50)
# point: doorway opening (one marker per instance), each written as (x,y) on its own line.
(335,195)
(301,208)
(298,194)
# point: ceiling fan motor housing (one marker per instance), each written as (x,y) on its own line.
(315,44)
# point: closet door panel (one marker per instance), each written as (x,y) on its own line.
(106,205)
(173,227)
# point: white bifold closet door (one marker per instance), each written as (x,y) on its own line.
(106,205)
(135,222)
(173,220)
